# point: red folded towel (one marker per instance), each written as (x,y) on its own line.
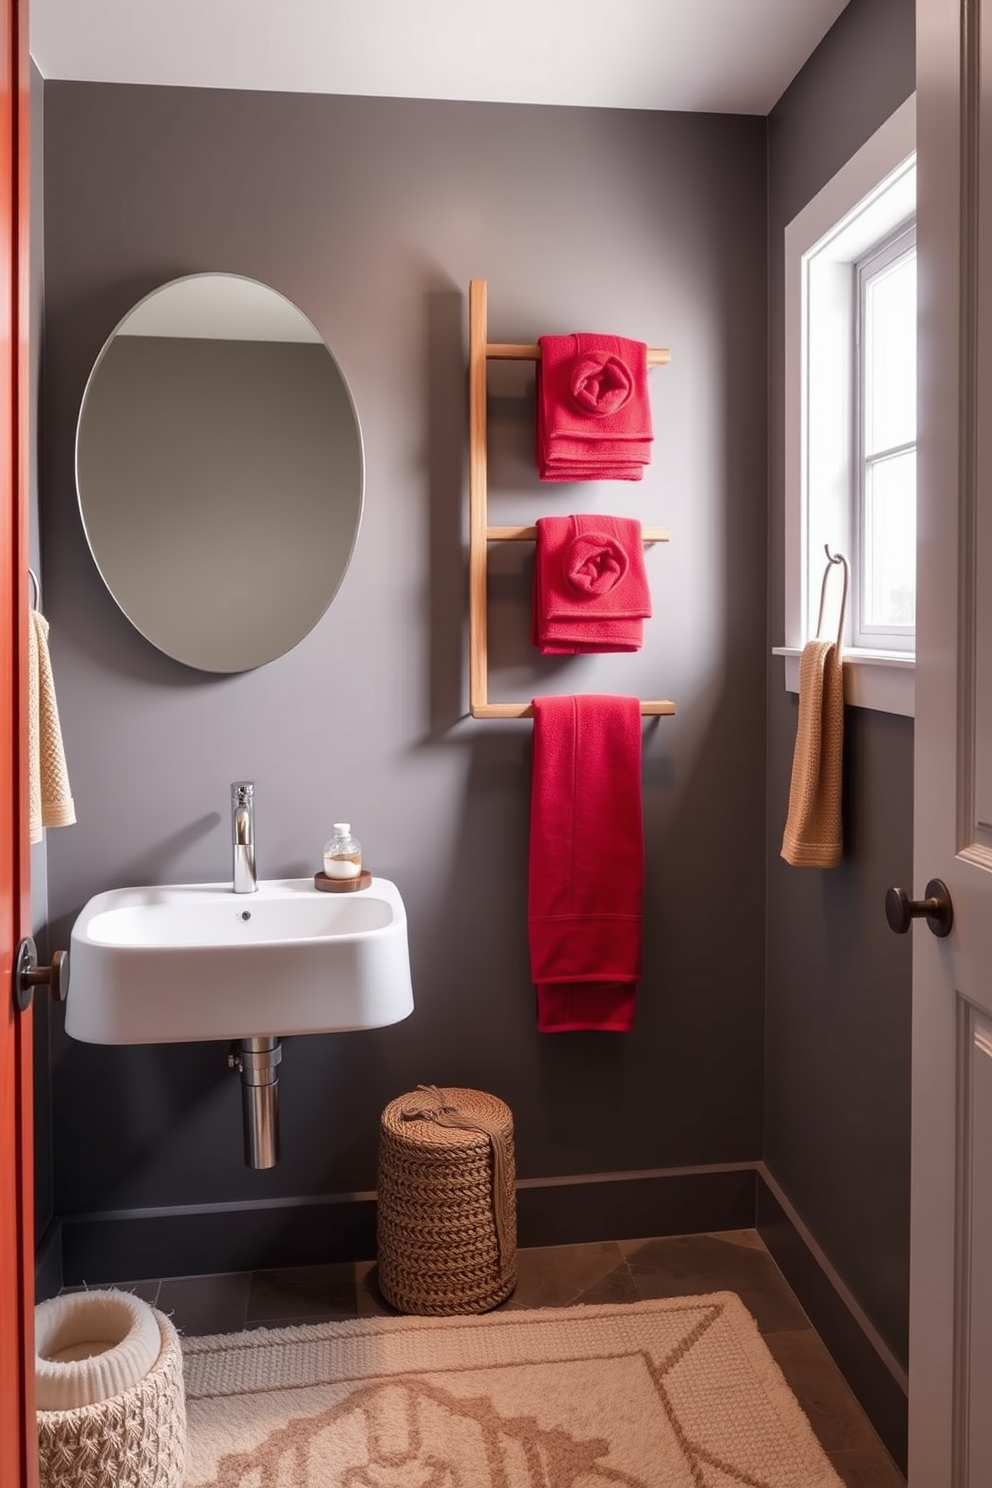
(590,585)
(586,874)
(593,408)
(595,387)
(572,470)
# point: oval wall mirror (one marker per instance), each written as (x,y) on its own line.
(220,472)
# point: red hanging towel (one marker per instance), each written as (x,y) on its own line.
(586,872)
(590,585)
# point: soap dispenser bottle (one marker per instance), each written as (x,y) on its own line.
(342,853)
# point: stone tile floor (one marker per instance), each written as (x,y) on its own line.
(558,1276)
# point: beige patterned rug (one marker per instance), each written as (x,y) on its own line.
(673,1394)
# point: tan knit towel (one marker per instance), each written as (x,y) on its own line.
(50,799)
(813,837)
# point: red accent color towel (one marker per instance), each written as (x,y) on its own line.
(586,875)
(590,585)
(593,408)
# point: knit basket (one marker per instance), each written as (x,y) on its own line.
(446,1203)
(136,1439)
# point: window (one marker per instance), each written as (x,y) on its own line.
(850,410)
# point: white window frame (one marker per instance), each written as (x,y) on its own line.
(872,195)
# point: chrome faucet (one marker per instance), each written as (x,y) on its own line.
(243,836)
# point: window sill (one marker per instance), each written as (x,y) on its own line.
(884,681)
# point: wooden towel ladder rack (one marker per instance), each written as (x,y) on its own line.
(481,351)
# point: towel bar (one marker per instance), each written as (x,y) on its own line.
(529,534)
(521,351)
(525,710)
(480,353)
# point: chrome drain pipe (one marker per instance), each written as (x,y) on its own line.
(258,1059)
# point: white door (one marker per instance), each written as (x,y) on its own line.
(950,1360)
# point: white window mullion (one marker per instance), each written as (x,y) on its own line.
(884,518)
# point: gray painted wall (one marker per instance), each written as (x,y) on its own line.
(838,982)
(372,215)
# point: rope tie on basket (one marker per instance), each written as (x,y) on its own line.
(446,1114)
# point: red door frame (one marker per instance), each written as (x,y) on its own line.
(18,1442)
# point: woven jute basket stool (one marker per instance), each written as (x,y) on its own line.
(447,1217)
(135,1439)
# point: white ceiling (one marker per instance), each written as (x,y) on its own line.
(725,56)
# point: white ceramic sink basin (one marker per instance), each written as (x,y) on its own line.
(186,962)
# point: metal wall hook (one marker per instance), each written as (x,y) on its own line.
(36,604)
(832,560)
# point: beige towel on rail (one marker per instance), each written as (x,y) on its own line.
(50,799)
(813,836)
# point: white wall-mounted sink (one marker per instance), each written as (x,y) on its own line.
(184,962)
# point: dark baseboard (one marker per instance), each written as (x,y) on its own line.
(48,1262)
(130,1245)
(206,1240)
(876,1378)
(625,1207)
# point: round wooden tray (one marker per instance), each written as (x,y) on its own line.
(342,885)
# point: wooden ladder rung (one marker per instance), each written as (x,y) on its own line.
(661,709)
(520,351)
(529,534)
